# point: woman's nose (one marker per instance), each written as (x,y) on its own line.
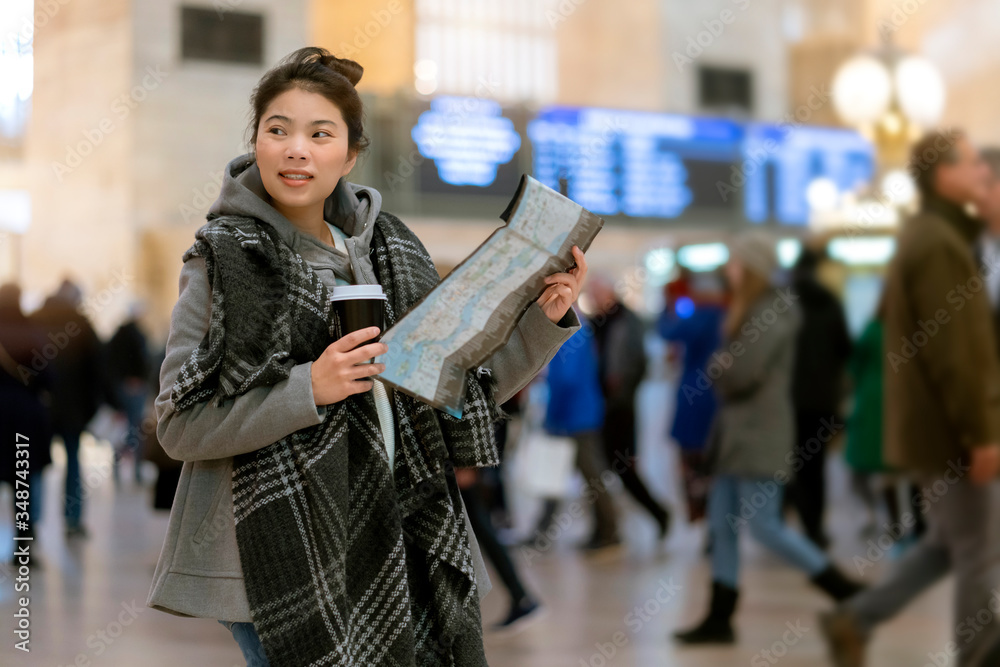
(296,150)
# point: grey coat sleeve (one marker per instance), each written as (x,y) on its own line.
(531,346)
(247,423)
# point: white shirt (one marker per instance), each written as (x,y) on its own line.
(382,406)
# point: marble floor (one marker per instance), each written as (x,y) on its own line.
(88,596)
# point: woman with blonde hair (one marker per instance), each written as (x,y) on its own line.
(751,444)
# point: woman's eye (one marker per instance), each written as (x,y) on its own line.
(276,130)
(323,133)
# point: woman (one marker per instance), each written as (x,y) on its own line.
(692,319)
(871,477)
(317,515)
(753,436)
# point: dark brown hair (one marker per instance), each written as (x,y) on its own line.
(934,148)
(315,70)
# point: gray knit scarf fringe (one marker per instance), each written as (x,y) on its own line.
(344,563)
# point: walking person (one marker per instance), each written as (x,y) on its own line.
(128,368)
(863,451)
(576,409)
(524,607)
(317,516)
(79,387)
(987,249)
(491,480)
(942,410)
(822,350)
(752,440)
(693,319)
(872,480)
(25,415)
(621,354)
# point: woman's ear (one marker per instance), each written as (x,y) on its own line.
(352,157)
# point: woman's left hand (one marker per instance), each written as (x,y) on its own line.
(563,288)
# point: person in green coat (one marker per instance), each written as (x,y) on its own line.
(864,427)
(871,476)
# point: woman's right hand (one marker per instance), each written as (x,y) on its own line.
(338,372)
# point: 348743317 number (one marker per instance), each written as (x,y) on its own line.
(21,488)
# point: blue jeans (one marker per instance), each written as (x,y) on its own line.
(73,506)
(133,401)
(756,502)
(248,641)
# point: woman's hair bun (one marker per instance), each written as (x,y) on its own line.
(351,70)
(347,68)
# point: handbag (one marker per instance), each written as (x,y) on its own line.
(545,464)
(107,424)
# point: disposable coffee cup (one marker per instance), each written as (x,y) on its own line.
(360,307)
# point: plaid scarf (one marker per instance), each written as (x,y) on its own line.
(344,562)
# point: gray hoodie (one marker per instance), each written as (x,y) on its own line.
(199,572)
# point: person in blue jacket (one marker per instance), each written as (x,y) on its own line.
(576,409)
(693,319)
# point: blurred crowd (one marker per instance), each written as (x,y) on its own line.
(768,382)
(59,381)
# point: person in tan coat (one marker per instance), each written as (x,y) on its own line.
(942,412)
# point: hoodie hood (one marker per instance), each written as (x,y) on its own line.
(351,207)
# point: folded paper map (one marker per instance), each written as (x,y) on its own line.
(473,311)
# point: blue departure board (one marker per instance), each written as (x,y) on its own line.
(664,165)
(779,163)
(639,164)
(635,163)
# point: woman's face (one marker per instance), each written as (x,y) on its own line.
(302,150)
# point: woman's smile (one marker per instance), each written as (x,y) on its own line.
(295,178)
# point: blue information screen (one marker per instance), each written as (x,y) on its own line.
(665,165)
(635,163)
(779,163)
(469,145)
